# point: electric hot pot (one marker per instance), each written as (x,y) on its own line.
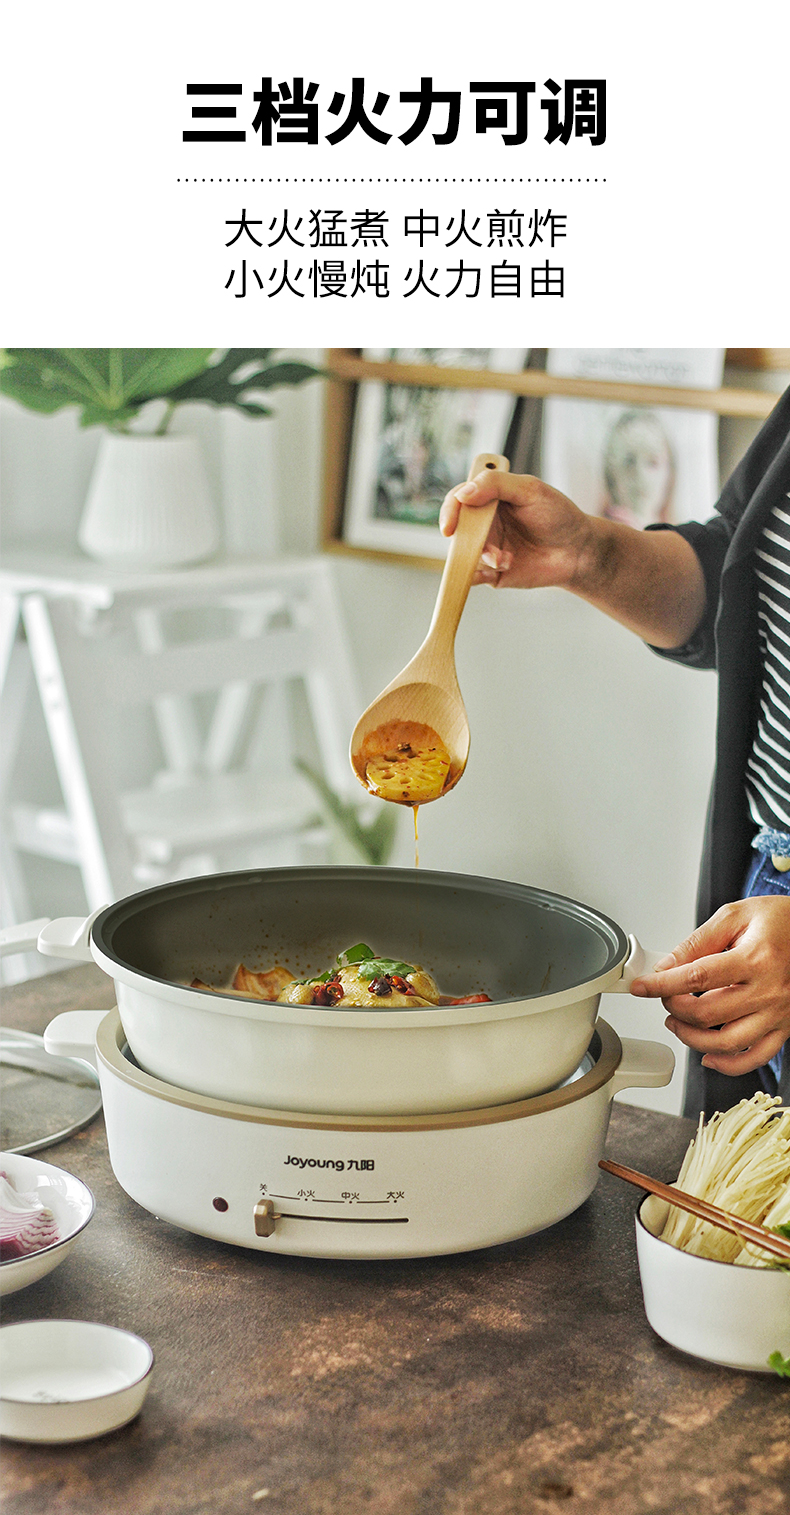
(355,1133)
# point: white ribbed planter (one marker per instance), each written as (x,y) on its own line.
(149,504)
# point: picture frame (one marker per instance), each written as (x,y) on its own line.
(411,443)
(642,464)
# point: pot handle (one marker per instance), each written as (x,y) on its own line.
(68,937)
(640,960)
(644,1065)
(73,1034)
(22,938)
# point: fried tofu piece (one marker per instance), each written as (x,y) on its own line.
(248,985)
(268,986)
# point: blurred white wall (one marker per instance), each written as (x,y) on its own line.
(590,758)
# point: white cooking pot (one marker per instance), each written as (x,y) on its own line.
(544,960)
(357,1186)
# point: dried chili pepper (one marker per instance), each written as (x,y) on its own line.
(328,993)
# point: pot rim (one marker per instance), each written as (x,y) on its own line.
(610,933)
(608,1052)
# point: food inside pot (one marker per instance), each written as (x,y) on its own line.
(359,980)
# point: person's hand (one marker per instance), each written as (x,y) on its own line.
(537,538)
(650,581)
(727,988)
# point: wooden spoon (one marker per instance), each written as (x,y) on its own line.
(427,692)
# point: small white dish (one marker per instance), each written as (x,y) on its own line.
(726,1314)
(71,1203)
(70,1380)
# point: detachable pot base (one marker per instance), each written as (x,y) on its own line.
(363,1186)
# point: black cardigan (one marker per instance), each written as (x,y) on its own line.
(727,640)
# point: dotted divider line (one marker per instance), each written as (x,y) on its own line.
(250,180)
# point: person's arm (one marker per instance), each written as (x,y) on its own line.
(652,582)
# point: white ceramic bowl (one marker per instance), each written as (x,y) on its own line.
(71,1203)
(69,1380)
(730,1315)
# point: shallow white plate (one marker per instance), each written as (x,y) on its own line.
(730,1315)
(71,1203)
(69,1380)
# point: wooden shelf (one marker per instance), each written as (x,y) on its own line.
(530,381)
(346,368)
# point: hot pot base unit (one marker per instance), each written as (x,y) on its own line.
(364,1186)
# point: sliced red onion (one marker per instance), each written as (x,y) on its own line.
(26,1225)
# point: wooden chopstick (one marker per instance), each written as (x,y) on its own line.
(745,1230)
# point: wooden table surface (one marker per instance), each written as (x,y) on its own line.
(519,1380)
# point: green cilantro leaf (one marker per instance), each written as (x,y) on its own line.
(361,953)
(376,966)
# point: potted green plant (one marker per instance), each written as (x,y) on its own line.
(149,503)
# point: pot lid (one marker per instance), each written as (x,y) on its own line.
(45,1099)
